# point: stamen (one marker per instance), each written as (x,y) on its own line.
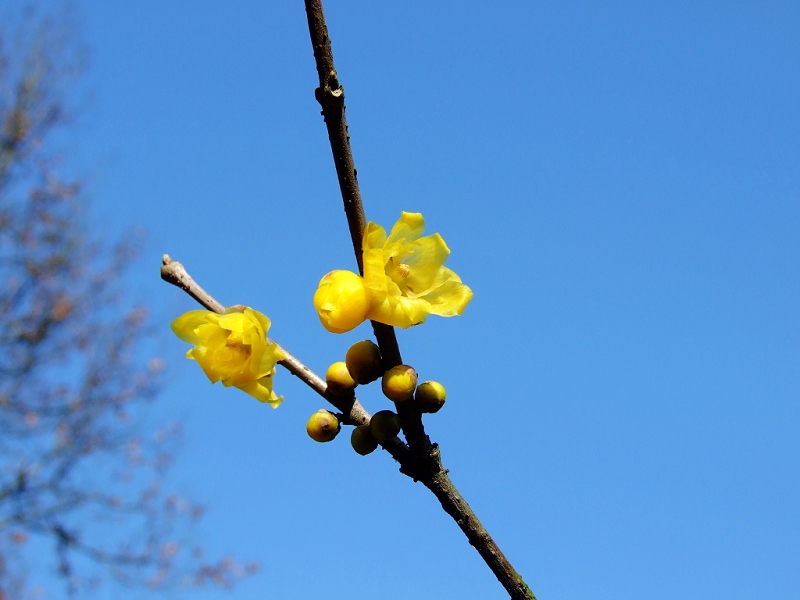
(402,270)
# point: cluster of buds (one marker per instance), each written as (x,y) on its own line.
(363,365)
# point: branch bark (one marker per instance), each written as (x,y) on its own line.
(424,461)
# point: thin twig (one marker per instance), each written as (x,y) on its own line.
(173,272)
(424,463)
(353,413)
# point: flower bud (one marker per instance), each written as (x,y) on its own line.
(362,440)
(339,380)
(399,383)
(363,361)
(323,426)
(341,301)
(430,397)
(384,425)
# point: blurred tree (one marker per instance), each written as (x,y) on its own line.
(75,474)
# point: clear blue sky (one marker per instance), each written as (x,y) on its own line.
(619,183)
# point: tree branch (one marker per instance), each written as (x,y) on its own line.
(330,95)
(352,412)
(424,463)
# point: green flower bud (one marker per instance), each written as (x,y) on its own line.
(323,426)
(339,380)
(430,397)
(399,383)
(364,362)
(362,440)
(384,425)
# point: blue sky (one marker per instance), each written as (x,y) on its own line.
(618,183)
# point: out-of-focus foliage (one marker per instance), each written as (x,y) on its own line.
(81,492)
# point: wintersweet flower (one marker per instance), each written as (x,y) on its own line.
(341,301)
(233,348)
(406,276)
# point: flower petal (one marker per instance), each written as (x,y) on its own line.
(397,310)
(374,236)
(429,254)
(261,390)
(237,322)
(408,228)
(450,298)
(185,325)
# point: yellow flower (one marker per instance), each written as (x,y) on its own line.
(405,276)
(232,348)
(341,301)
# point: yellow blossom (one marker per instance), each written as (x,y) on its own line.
(341,301)
(233,348)
(406,276)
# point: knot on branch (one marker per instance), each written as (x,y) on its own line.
(333,83)
(422,463)
(330,95)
